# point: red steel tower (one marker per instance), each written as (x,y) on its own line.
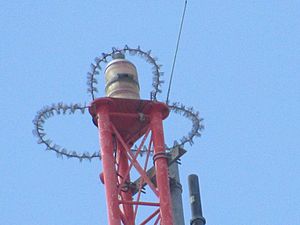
(123,119)
(136,191)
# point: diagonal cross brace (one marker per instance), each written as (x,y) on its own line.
(133,160)
(174,155)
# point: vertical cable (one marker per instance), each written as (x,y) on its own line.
(175,55)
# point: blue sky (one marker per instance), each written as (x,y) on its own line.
(238,65)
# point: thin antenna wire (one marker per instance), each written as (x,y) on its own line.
(175,56)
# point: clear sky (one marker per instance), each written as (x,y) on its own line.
(238,65)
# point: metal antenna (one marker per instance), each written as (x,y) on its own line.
(175,55)
(195,201)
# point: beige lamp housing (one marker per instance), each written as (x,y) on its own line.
(121,80)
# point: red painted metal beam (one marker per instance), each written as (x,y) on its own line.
(108,162)
(150,217)
(133,160)
(127,171)
(122,162)
(140,186)
(161,165)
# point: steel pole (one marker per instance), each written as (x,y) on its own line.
(195,201)
(161,167)
(108,162)
(176,194)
